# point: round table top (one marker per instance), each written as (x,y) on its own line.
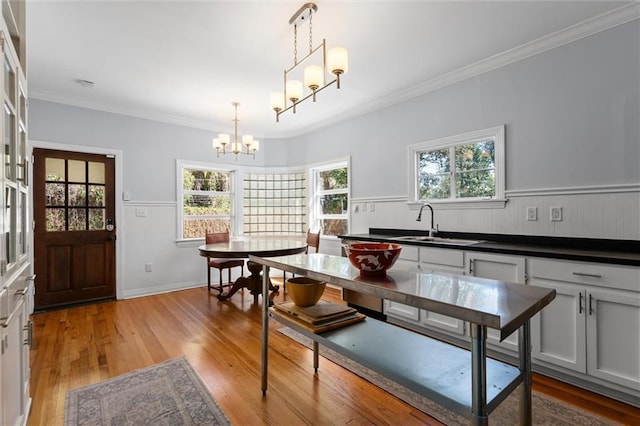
(265,247)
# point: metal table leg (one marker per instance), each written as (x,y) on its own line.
(265,326)
(315,356)
(479,375)
(524,348)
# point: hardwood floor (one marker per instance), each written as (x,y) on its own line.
(82,345)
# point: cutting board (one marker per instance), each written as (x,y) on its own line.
(319,328)
(321,312)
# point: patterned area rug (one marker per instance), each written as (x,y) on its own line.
(546,410)
(170,393)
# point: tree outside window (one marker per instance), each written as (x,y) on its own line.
(332,198)
(466,167)
(206,200)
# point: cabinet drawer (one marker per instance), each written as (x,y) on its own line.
(618,276)
(409,253)
(442,256)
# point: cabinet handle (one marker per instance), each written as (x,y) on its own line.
(22,292)
(580,303)
(584,274)
(29,329)
(590,304)
(470,266)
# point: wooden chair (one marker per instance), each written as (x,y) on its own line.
(220,264)
(313,241)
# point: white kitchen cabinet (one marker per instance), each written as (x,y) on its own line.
(17,289)
(442,260)
(498,267)
(12,363)
(592,325)
(409,258)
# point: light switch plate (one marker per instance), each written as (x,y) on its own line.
(555,214)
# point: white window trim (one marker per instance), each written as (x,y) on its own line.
(496,133)
(182,164)
(314,216)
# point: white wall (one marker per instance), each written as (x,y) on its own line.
(572,140)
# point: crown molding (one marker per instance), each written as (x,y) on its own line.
(129,112)
(565,36)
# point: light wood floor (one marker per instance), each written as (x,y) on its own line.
(82,345)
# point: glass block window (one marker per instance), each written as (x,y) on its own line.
(275,203)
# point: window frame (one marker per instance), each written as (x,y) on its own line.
(315,209)
(180,193)
(497,134)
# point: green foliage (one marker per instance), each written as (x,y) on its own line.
(473,171)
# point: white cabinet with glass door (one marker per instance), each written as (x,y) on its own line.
(14,247)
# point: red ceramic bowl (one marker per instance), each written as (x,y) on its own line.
(373,258)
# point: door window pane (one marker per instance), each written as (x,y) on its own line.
(54,169)
(96,196)
(77,219)
(55,194)
(96,219)
(77,195)
(77,171)
(55,220)
(96,172)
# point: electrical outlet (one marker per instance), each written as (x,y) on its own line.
(372,207)
(532,213)
(148,267)
(556,214)
(141,212)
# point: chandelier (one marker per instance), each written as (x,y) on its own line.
(334,62)
(248,145)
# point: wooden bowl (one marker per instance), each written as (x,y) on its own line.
(373,258)
(305,291)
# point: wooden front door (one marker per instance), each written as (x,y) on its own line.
(74,236)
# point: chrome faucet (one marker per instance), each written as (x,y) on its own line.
(419,218)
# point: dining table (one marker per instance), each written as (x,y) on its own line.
(242,247)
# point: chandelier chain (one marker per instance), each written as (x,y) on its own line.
(295,44)
(310,31)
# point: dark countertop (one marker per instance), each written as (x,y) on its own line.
(619,252)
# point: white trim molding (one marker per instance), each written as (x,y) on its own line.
(576,190)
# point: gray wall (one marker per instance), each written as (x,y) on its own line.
(571,116)
(572,140)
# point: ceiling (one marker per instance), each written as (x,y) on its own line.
(185,62)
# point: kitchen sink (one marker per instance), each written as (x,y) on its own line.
(439,240)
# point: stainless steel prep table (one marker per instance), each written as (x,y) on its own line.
(464,381)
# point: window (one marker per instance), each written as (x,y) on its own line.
(331,198)
(275,203)
(205,201)
(463,168)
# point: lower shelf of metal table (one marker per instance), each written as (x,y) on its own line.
(434,369)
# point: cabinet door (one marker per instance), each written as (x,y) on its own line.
(503,268)
(408,258)
(442,260)
(11,371)
(613,340)
(558,333)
